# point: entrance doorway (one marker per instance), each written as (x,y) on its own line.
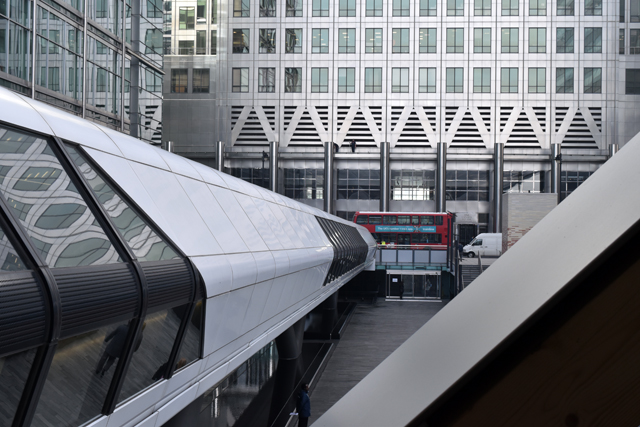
(414,286)
(466,233)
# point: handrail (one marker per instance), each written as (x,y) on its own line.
(412,247)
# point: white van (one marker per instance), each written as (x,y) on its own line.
(485,244)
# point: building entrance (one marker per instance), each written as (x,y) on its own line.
(413,286)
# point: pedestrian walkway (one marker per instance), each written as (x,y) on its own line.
(372,334)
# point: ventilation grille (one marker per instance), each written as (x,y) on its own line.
(252,132)
(596,113)
(578,135)
(522,135)
(22,312)
(467,134)
(95,296)
(170,283)
(359,129)
(349,248)
(306,131)
(412,133)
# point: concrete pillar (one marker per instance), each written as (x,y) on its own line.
(220,156)
(273,166)
(385,154)
(613,149)
(329,315)
(556,161)
(441,173)
(328,177)
(498,173)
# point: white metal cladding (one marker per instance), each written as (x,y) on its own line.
(502,299)
(263,257)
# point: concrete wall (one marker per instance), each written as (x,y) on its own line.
(521,211)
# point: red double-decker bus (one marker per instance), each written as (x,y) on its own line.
(433,229)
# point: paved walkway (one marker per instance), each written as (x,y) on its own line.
(373,333)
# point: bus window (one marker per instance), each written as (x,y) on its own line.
(426,220)
(389,219)
(404,219)
(426,238)
(376,237)
(375,219)
(439,220)
(418,238)
(415,220)
(392,238)
(362,219)
(404,239)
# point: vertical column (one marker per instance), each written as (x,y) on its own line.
(613,149)
(498,171)
(441,204)
(134,73)
(220,156)
(385,150)
(556,160)
(169,146)
(273,166)
(328,177)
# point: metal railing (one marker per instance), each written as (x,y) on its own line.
(413,257)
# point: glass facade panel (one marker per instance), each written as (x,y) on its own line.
(482,40)
(482,80)
(537,7)
(565,8)
(293,80)
(293,40)
(256,176)
(266,79)
(564,80)
(413,184)
(80,376)
(267,40)
(141,238)
(510,7)
(268,8)
(537,80)
(320,80)
(241,8)
(455,8)
(593,80)
(482,7)
(192,342)
(593,7)
(523,182)
(399,80)
(14,371)
(634,42)
(373,80)
(632,81)
(320,40)
(455,82)
(467,185)
(509,80)
(346,80)
(357,184)
(152,349)
(564,40)
(304,183)
(241,41)
(455,40)
(294,7)
(200,80)
(400,40)
(179,80)
(347,8)
(347,40)
(509,40)
(58,221)
(400,7)
(537,40)
(593,40)
(320,8)
(428,8)
(373,8)
(240,80)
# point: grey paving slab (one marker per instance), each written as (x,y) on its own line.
(373,333)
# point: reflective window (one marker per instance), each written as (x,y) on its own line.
(320,80)
(413,184)
(293,40)
(375,219)
(79,377)
(481,80)
(45,200)
(347,8)
(267,40)
(537,40)
(565,8)
(373,40)
(428,8)
(320,40)
(14,371)
(564,80)
(634,42)
(400,7)
(426,220)
(467,185)
(9,258)
(634,9)
(294,7)
(320,8)
(266,79)
(363,184)
(593,7)
(455,7)
(142,239)
(240,80)
(373,8)
(564,40)
(482,8)
(400,80)
(509,7)
(347,40)
(267,8)
(537,7)
(570,180)
(346,80)
(537,80)
(201,42)
(214,42)
(510,40)
(455,40)
(293,80)
(426,80)
(621,41)
(187,18)
(179,80)
(523,182)
(304,183)
(190,349)
(241,41)
(400,40)
(593,40)
(509,80)
(152,350)
(593,80)
(373,80)
(200,80)
(632,81)
(455,83)
(427,40)
(256,176)
(241,8)
(389,219)
(482,40)
(362,219)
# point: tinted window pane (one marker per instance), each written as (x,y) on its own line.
(143,241)
(75,388)
(9,259)
(42,196)
(150,358)
(14,370)
(190,349)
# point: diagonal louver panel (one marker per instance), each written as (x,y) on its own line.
(349,248)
